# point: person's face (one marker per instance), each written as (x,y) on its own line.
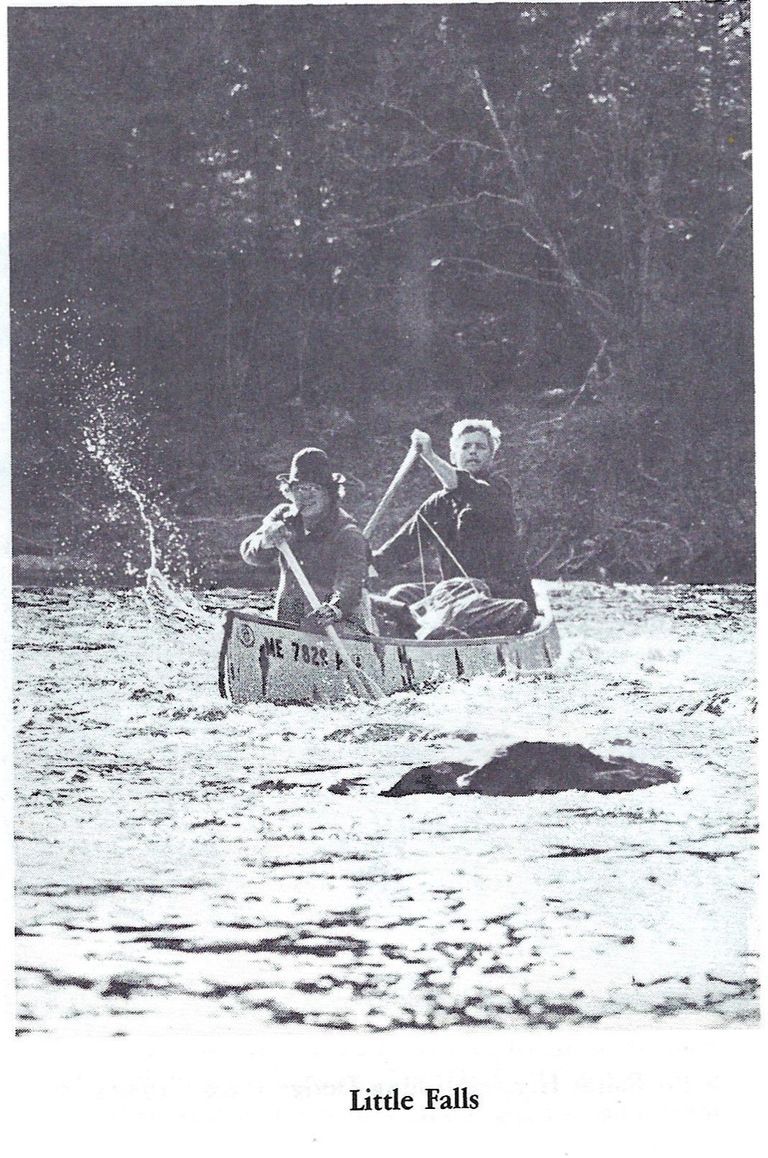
(472,452)
(310,499)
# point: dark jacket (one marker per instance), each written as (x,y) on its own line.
(476,521)
(333,555)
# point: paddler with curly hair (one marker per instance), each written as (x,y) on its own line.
(327,542)
(470,523)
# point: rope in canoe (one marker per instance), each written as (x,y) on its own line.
(421,561)
(446,548)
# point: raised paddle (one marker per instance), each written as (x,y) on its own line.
(362,683)
(405,466)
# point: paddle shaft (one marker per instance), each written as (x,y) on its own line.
(361,681)
(384,502)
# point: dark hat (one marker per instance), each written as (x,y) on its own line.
(311,465)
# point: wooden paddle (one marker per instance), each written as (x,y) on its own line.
(363,684)
(384,502)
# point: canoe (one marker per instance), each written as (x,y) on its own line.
(263,660)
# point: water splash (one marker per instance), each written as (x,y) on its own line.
(99,439)
(171,608)
(113,438)
(91,425)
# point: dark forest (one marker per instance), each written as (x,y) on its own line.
(272,227)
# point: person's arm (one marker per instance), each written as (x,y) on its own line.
(447,474)
(258,548)
(351,573)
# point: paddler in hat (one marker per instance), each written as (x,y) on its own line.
(327,543)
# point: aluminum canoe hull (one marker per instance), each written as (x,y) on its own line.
(262,660)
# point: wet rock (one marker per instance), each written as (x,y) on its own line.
(365,733)
(280,785)
(344,787)
(529,769)
(469,737)
(432,778)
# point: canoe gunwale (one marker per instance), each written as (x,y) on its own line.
(541,626)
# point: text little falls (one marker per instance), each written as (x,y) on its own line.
(432,1098)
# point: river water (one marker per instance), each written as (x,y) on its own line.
(185,865)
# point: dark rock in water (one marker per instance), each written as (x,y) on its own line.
(344,787)
(365,733)
(529,769)
(431,778)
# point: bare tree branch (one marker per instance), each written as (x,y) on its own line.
(536,240)
(429,207)
(225,519)
(592,375)
(644,473)
(434,133)
(731,232)
(599,299)
(549,239)
(498,270)
(411,162)
(535,566)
